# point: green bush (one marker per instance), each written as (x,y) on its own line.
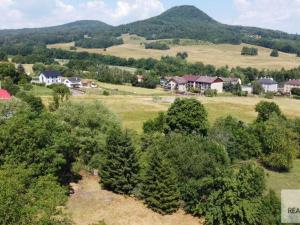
(157,45)
(249,51)
(210,93)
(295,91)
(106,93)
(274,53)
(269,95)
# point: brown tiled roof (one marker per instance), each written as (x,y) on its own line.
(179,80)
(206,79)
(230,79)
(293,82)
(191,78)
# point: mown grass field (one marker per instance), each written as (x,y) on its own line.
(217,55)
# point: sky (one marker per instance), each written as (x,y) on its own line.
(274,14)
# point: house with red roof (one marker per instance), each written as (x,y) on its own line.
(202,83)
(288,86)
(4,95)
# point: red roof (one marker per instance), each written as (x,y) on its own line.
(191,78)
(209,80)
(4,95)
(293,82)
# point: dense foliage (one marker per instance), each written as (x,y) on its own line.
(120,169)
(99,42)
(157,45)
(249,51)
(274,53)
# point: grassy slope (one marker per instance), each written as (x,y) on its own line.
(218,55)
(91,204)
(279,181)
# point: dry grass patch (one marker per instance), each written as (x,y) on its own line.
(90,204)
(215,54)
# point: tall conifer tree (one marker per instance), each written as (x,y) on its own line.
(120,170)
(159,188)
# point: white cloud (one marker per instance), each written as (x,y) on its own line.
(15,13)
(274,14)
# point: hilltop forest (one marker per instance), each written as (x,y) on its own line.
(178,22)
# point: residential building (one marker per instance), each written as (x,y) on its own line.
(288,86)
(49,77)
(247,88)
(268,84)
(202,83)
(231,80)
(177,84)
(73,82)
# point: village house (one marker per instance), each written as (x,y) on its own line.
(231,80)
(202,83)
(288,86)
(268,84)
(247,88)
(49,77)
(73,82)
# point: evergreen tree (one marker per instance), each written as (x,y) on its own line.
(159,188)
(120,170)
(274,53)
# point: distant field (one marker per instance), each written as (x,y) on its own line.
(133,111)
(218,55)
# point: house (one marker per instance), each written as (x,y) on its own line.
(140,78)
(231,80)
(288,86)
(177,84)
(268,84)
(247,88)
(214,83)
(49,77)
(4,95)
(72,82)
(202,83)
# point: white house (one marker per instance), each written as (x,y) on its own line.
(73,82)
(247,88)
(268,84)
(288,86)
(177,84)
(49,77)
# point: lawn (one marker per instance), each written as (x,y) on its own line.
(134,110)
(215,54)
(279,181)
(40,91)
(91,204)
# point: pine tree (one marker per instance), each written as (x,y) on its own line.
(120,170)
(159,188)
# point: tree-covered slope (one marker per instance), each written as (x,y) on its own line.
(56,34)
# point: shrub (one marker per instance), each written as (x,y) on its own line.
(210,93)
(274,53)
(269,95)
(157,45)
(106,93)
(249,51)
(295,91)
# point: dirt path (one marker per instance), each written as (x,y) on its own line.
(90,204)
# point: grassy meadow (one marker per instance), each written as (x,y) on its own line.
(215,54)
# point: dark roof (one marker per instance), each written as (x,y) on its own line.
(207,79)
(293,82)
(52,74)
(267,81)
(191,78)
(74,79)
(179,80)
(230,79)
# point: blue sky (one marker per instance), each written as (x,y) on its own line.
(275,14)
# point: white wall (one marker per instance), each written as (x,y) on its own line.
(288,88)
(217,86)
(270,88)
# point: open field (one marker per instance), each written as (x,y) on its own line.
(91,204)
(278,181)
(133,111)
(218,55)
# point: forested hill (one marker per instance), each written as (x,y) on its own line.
(177,22)
(191,22)
(55,34)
